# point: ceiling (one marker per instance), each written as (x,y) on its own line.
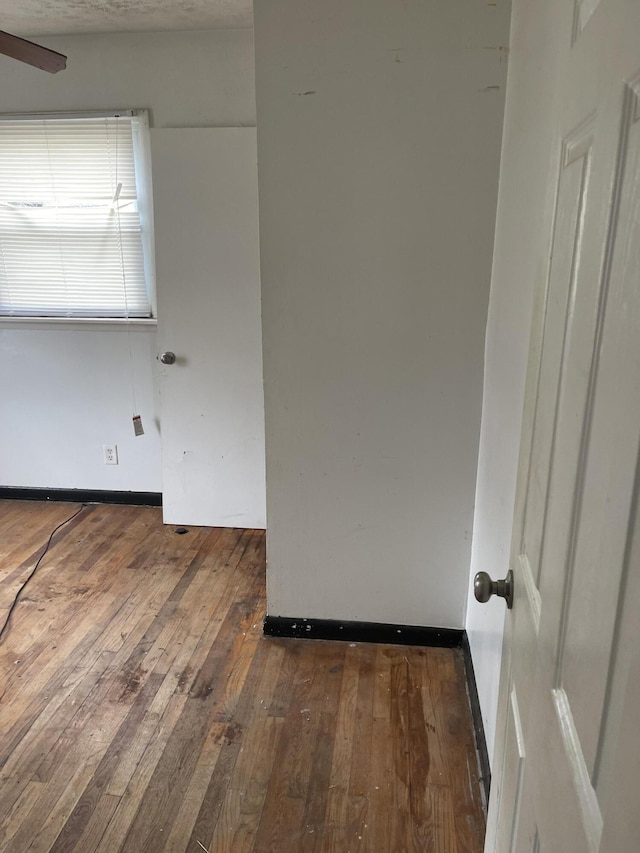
(57,17)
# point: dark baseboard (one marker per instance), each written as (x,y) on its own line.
(476,713)
(361,632)
(87,496)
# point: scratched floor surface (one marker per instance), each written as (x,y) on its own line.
(141,709)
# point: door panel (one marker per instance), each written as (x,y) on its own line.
(568,672)
(618,767)
(589,505)
(211,399)
(591,603)
(584,9)
(565,263)
(513,775)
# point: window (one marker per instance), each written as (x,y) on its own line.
(76,236)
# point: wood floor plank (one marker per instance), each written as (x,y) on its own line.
(122,741)
(24,530)
(262,747)
(57,799)
(378,827)
(143,711)
(14,818)
(400,811)
(211,806)
(324,700)
(419,754)
(283,810)
(118,827)
(337,794)
(171,778)
(360,777)
(95,827)
(185,819)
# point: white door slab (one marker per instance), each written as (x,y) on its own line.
(567,684)
(208,288)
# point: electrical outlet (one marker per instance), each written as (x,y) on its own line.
(110,454)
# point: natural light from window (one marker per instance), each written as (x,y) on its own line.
(76,237)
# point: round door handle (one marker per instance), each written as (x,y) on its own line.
(168,358)
(484,588)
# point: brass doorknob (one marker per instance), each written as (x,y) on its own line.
(484,588)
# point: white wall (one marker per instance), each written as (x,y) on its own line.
(66,390)
(65,394)
(379,130)
(525,207)
(187,79)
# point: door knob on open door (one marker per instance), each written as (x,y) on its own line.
(168,358)
(484,588)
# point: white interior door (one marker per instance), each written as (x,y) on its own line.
(567,743)
(205,191)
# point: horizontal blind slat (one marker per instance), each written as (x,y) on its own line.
(68,247)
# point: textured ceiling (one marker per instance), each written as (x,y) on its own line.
(58,17)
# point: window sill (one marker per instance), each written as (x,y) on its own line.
(78,324)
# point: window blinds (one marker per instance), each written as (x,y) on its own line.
(70,226)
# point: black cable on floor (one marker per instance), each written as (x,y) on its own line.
(35,569)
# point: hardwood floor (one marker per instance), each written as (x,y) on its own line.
(142,709)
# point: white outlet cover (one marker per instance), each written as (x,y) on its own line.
(110,454)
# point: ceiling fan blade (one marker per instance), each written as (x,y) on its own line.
(33,54)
